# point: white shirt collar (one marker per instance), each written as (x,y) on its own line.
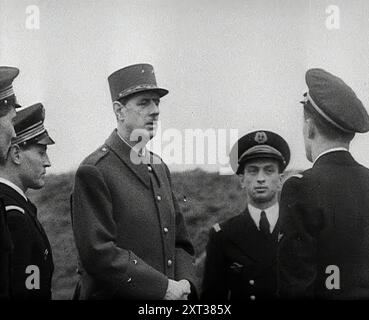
(140,152)
(329,151)
(13,186)
(272,214)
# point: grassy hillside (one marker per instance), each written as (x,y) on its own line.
(205,198)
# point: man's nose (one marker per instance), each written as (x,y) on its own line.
(261,176)
(154,108)
(47,162)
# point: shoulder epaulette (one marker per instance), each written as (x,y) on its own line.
(11,207)
(217,227)
(97,155)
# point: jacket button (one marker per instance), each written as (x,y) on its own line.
(252,282)
(158,197)
(170,263)
(252,297)
(129,280)
(165,230)
(149,168)
(103,149)
(134,261)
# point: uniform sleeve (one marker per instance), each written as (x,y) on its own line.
(119,271)
(184,250)
(297,251)
(5,249)
(214,286)
(22,253)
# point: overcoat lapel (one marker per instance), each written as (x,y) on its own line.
(122,151)
(245,235)
(33,212)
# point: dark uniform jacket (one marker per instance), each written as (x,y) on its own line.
(240,261)
(129,231)
(31,247)
(325,225)
(5,250)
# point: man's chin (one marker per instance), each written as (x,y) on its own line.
(142,134)
(152,132)
(262,198)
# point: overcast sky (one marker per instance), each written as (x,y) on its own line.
(227,64)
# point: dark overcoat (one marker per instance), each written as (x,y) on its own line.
(5,250)
(240,261)
(324,251)
(31,247)
(129,231)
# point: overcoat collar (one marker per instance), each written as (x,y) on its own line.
(341,158)
(123,152)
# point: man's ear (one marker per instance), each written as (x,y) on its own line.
(241,179)
(311,128)
(281,175)
(15,154)
(119,110)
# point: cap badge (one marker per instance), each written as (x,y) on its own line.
(261,137)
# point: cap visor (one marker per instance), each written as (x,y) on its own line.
(160,91)
(44,139)
(254,156)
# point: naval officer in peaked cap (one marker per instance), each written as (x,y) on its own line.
(324,250)
(8,103)
(25,168)
(129,231)
(241,252)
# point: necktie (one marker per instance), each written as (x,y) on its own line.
(264,223)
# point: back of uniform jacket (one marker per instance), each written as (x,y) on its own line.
(324,251)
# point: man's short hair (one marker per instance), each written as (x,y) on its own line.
(325,128)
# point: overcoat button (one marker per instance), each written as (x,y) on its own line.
(170,263)
(158,197)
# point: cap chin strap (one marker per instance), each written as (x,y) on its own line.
(324,115)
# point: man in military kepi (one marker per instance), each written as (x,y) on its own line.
(129,231)
(8,103)
(241,252)
(324,251)
(25,167)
